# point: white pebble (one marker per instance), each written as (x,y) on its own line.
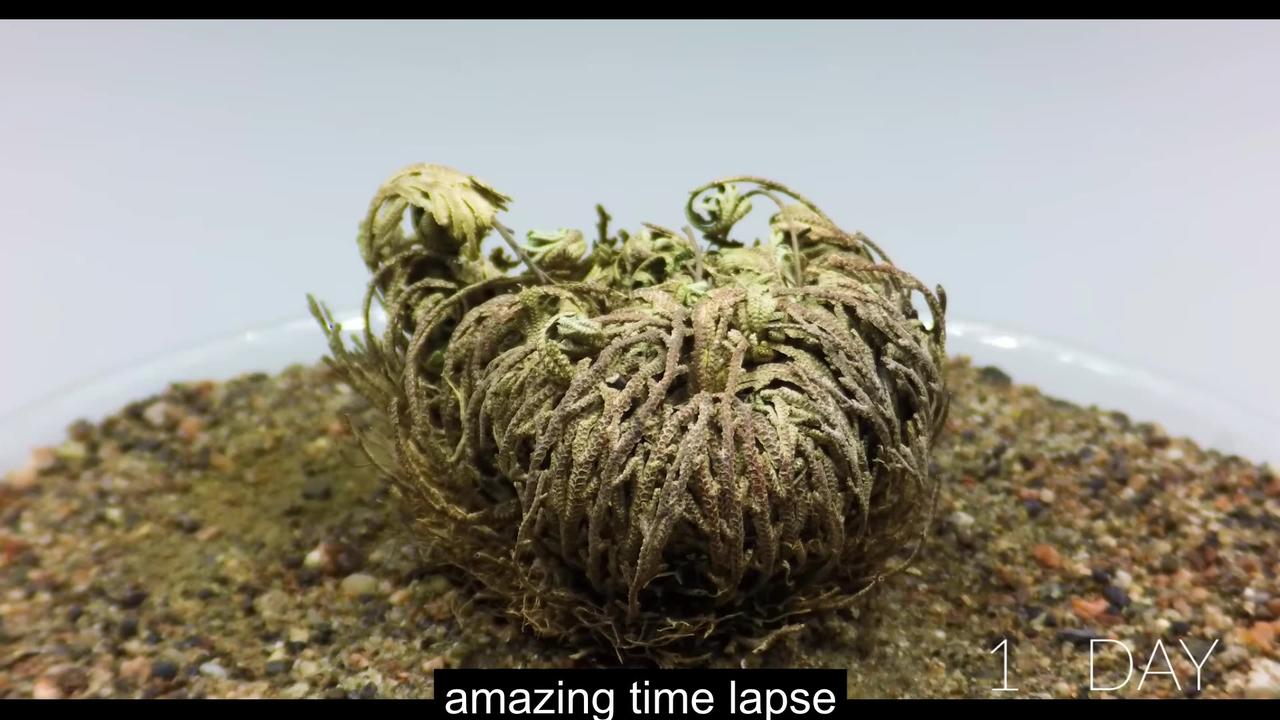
(297,690)
(316,558)
(1123,580)
(1256,596)
(1264,679)
(359,585)
(961,519)
(157,413)
(213,670)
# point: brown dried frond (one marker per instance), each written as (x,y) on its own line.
(658,442)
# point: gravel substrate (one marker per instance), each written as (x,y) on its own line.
(230,540)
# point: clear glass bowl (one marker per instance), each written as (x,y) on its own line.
(1057,369)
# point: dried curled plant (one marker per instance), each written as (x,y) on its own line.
(652,441)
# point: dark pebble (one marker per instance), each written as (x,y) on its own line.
(1144,498)
(375,613)
(1101,576)
(1179,627)
(994,376)
(1199,648)
(81,431)
(187,524)
(1169,564)
(317,488)
(164,669)
(294,647)
(193,641)
(1116,596)
(133,599)
(1097,484)
(369,691)
(322,634)
(346,558)
(278,667)
(1034,508)
(1119,467)
(1078,636)
(73,680)
(128,626)
(74,613)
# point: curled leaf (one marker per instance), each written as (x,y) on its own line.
(448,212)
(721,208)
(561,249)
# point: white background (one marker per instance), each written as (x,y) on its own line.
(1112,185)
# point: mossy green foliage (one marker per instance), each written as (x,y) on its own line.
(653,440)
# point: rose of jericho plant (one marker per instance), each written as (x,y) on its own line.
(654,440)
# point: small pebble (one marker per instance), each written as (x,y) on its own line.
(1116,596)
(164,669)
(43,459)
(297,690)
(961,519)
(213,670)
(359,585)
(209,533)
(133,598)
(23,478)
(46,688)
(190,427)
(72,451)
(1047,556)
(157,414)
(1088,609)
(1078,636)
(135,670)
(317,488)
(186,523)
(1264,679)
(272,604)
(334,558)
(1123,580)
